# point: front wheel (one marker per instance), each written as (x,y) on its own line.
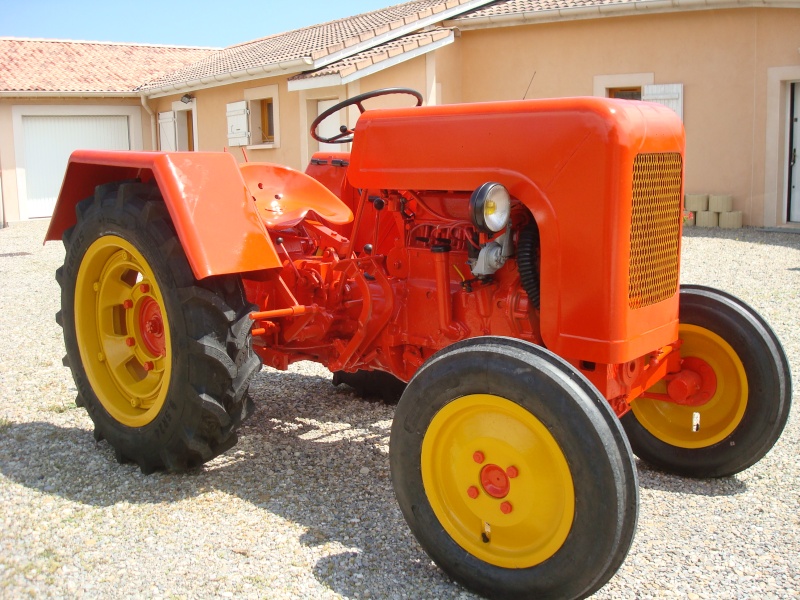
(748,409)
(512,471)
(162,362)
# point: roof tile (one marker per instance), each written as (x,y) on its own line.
(315,42)
(362,60)
(34,65)
(514,7)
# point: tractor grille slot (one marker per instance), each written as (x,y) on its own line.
(655,228)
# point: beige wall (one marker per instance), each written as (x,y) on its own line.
(9,172)
(720,57)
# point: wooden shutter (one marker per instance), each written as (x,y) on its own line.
(238,130)
(167,132)
(669,94)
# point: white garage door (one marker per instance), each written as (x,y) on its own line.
(49,140)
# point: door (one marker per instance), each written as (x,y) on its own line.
(329,127)
(793,208)
(48,142)
(176,131)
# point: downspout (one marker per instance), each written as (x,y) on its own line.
(150,112)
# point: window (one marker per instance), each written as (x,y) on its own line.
(262,115)
(254,121)
(625,93)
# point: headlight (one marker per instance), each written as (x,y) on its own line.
(490,207)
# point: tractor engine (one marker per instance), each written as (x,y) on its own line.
(432,267)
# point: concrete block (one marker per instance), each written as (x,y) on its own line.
(720,204)
(695,202)
(730,220)
(706,218)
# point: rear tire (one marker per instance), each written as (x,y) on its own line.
(749,410)
(472,412)
(162,362)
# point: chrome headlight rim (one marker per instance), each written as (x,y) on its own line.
(500,213)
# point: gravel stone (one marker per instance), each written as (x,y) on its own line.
(303,506)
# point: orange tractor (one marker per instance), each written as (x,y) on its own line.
(515,263)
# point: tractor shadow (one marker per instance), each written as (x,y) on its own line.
(312,454)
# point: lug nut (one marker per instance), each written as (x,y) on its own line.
(130,342)
(478,457)
(144,288)
(148,366)
(128,304)
(472,492)
(506,508)
(512,472)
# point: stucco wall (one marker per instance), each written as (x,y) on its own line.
(720,57)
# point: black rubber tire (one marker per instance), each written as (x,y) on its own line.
(587,432)
(769,385)
(212,355)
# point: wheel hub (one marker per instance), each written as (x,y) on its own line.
(151,327)
(494,481)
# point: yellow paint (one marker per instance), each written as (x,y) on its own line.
(672,423)
(542,495)
(115,368)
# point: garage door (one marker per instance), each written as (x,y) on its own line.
(49,140)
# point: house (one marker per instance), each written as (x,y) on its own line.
(56,96)
(729,68)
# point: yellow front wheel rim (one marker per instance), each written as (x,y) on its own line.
(673,423)
(122,331)
(497,481)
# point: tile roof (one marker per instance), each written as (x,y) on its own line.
(532,10)
(63,66)
(374,56)
(314,46)
(516,7)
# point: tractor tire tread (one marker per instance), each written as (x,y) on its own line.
(216,345)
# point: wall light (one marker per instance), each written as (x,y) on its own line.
(187,98)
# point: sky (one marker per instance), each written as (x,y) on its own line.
(213,23)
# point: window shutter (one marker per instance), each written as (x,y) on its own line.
(167,132)
(238,131)
(670,95)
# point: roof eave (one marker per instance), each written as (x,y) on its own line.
(393,34)
(58,94)
(612,10)
(335,79)
(280,68)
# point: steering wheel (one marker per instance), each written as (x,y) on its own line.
(345,135)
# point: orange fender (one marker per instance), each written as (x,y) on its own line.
(213,213)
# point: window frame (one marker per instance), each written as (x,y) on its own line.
(258,99)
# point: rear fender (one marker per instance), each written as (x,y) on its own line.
(211,209)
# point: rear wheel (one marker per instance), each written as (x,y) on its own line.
(512,471)
(747,411)
(161,361)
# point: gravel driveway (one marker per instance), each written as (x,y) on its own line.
(303,506)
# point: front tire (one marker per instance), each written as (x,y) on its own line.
(747,413)
(512,471)
(162,362)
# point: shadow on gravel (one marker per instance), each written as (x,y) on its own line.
(311,454)
(653,479)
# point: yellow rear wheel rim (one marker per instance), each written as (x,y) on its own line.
(122,331)
(720,416)
(525,501)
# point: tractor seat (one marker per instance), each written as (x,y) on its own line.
(284,196)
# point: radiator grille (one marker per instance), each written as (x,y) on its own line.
(655,228)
